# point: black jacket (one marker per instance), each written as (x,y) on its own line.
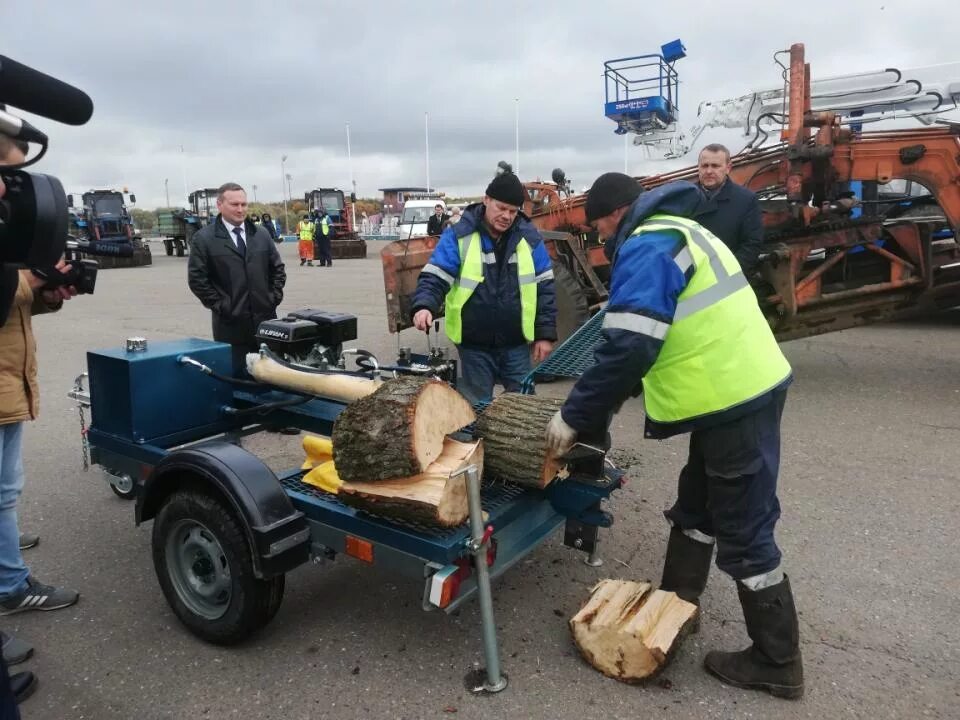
(733,215)
(9,280)
(435,224)
(242,291)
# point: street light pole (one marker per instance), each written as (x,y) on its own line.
(353,183)
(166,190)
(183,169)
(516,126)
(289,191)
(426,130)
(286,215)
(255,193)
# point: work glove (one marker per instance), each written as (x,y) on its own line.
(560,436)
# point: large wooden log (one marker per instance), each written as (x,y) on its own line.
(628,631)
(398,430)
(514,432)
(434,496)
(330,385)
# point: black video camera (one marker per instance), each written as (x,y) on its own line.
(33,211)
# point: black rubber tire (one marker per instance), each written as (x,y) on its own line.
(573,310)
(168,246)
(252,603)
(180,248)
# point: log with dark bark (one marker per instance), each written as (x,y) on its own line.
(435,496)
(628,631)
(397,431)
(514,432)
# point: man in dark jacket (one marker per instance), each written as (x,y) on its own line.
(236,271)
(437,220)
(731,212)
(494,276)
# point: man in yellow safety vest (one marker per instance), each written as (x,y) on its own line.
(305,231)
(683,327)
(494,278)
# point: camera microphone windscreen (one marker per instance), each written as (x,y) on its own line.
(35,92)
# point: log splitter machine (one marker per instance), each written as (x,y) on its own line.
(227,528)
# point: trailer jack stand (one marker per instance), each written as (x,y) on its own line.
(488,680)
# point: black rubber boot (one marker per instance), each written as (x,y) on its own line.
(686,566)
(773,663)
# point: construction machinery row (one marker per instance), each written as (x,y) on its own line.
(177,226)
(860,226)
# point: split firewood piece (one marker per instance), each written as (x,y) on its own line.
(436,496)
(628,631)
(325,384)
(514,432)
(398,430)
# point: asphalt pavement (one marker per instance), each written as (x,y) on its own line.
(870,494)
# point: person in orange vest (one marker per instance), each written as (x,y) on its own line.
(305,230)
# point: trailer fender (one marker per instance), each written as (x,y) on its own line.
(278,533)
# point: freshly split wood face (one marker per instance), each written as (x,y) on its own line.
(628,631)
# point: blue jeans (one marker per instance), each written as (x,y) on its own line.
(728,490)
(482,368)
(13,573)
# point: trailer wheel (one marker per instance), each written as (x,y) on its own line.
(202,560)
(124,487)
(180,248)
(168,246)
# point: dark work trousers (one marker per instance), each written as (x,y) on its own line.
(8,702)
(728,489)
(323,249)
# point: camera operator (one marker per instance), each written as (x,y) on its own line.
(23,295)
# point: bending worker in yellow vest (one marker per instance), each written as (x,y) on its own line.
(494,277)
(683,327)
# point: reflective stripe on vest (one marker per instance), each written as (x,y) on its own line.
(306,231)
(719,352)
(324,226)
(472,260)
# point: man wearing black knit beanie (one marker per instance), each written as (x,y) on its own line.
(493,278)
(683,327)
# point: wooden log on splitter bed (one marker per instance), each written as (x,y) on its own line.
(514,432)
(437,496)
(397,431)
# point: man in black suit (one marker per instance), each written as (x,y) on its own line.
(731,212)
(436,222)
(236,272)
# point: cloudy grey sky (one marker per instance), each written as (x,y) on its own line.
(240,83)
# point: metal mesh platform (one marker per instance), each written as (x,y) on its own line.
(573,356)
(493,495)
